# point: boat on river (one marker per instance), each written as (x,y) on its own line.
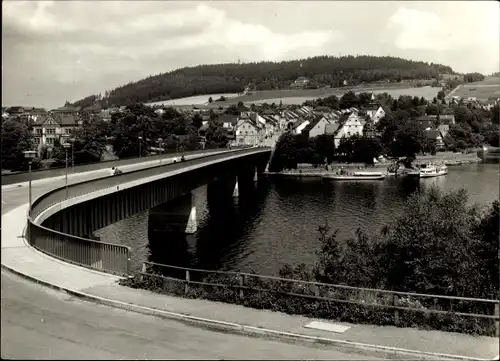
(429,170)
(356,176)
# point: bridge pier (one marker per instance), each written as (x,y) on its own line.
(178,215)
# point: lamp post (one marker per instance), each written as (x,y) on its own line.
(160,145)
(29,155)
(140,141)
(66,147)
(72,142)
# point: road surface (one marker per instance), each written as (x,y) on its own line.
(39,323)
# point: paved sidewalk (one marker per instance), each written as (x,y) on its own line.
(22,258)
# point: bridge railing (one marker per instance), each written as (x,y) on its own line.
(101,256)
(330,300)
(97,255)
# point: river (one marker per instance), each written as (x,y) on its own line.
(276,222)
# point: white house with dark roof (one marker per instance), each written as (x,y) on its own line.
(316,127)
(248,131)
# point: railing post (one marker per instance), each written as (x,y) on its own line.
(396,312)
(242,283)
(186,286)
(497,322)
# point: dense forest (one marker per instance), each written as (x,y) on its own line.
(234,78)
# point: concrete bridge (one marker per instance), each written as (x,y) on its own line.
(62,221)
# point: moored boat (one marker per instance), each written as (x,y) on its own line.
(356,176)
(429,170)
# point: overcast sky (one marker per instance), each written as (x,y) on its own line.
(64,50)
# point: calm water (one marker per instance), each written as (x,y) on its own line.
(276,221)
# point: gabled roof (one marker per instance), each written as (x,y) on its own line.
(444,129)
(331,129)
(315,122)
(432,133)
(298,122)
(228,118)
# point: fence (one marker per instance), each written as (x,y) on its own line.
(322,300)
(100,256)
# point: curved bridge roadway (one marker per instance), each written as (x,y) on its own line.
(40,323)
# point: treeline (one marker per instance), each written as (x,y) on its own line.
(233,78)
(473,77)
(439,245)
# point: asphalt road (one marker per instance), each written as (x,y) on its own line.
(39,323)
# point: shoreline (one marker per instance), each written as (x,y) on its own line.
(452,160)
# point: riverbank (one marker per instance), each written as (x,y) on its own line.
(448,158)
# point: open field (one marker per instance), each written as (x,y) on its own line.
(479,91)
(194,100)
(427,92)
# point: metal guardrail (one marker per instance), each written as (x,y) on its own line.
(317,291)
(101,256)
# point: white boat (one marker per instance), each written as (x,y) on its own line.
(429,170)
(356,176)
(433,170)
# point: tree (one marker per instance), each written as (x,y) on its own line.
(16,139)
(216,134)
(432,109)
(210,100)
(409,140)
(324,146)
(441,95)
(429,246)
(285,154)
(348,100)
(197,121)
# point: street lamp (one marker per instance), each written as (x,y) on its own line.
(66,147)
(160,145)
(140,141)
(72,142)
(29,155)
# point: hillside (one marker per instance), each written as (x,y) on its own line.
(233,78)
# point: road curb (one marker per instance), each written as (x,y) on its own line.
(246,330)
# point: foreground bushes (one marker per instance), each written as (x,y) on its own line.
(439,245)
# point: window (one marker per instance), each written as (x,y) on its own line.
(37,140)
(50,140)
(67,131)
(50,131)
(38,131)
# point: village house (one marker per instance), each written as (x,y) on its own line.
(350,124)
(299,126)
(54,126)
(316,127)
(436,135)
(248,132)
(375,112)
(67,111)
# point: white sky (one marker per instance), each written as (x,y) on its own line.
(64,50)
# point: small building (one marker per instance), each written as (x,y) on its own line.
(248,132)
(301,81)
(54,126)
(350,124)
(316,127)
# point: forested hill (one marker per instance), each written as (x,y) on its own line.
(233,78)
